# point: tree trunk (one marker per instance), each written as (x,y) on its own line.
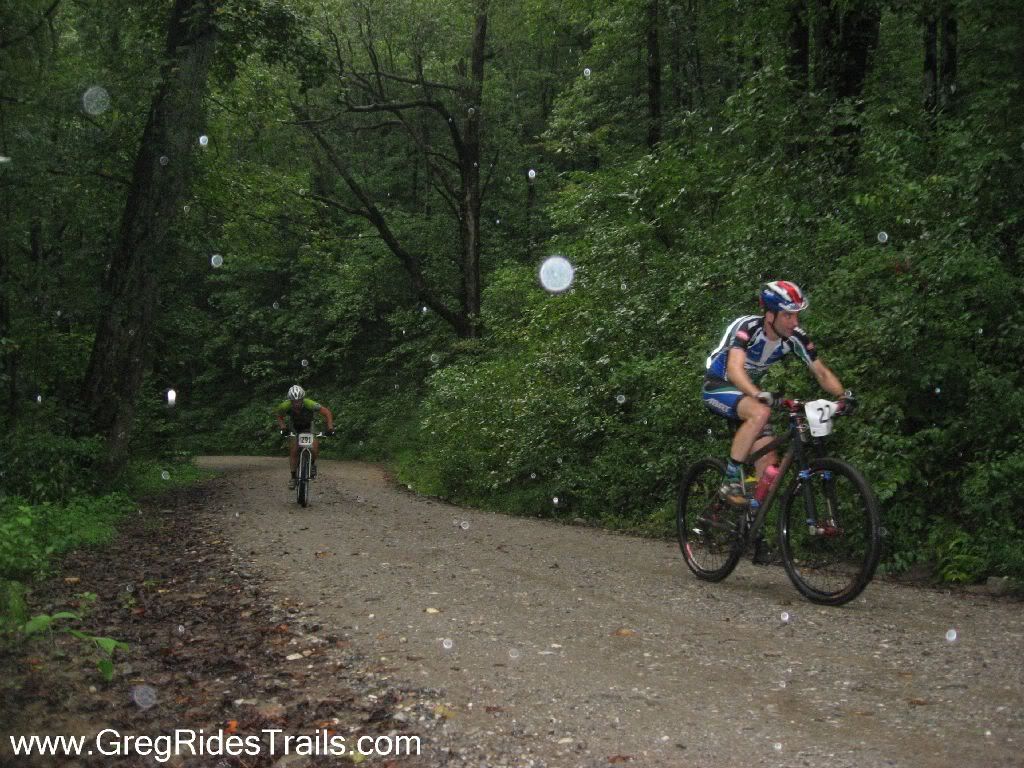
(160,179)
(844,39)
(653,76)
(798,42)
(470,173)
(931,67)
(948,69)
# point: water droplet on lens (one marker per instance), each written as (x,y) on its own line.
(305,363)
(96,100)
(165,475)
(533,475)
(172,397)
(144,696)
(532,174)
(424,309)
(471,111)
(938,390)
(435,358)
(164,159)
(129,588)
(276,305)
(181,629)
(554,500)
(777,746)
(204,140)
(513,653)
(620,399)
(186,208)
(586,71)
(464,525)
(447,644)
(785,617)
(39,398)
(883,237)
(951,636)
(497,221)
(217,260)
(556,274)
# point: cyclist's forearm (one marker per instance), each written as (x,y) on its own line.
(829,381)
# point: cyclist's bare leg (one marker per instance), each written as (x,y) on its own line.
(293,456)
(316,450)
(754,415)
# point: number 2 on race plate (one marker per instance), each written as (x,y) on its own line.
(305,439)
(819,416)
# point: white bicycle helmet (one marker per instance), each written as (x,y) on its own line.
(296,392)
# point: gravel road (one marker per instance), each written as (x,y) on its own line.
(569,646)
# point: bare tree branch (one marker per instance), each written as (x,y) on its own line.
(24,35)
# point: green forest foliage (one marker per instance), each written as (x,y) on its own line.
(901,220)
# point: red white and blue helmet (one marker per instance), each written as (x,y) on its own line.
(782,296)
(296,392)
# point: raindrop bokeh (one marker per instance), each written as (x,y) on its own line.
(586,71)
(532,174)
(204,140)
(951,635)
(556,274)
(305,363)
(216,260)
(447,644)
(165,475)
(164,159)
(620,399)
(172,397)
(883,237)
(144,696)
(96,100)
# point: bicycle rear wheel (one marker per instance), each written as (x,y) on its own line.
(709,530)
(830,530)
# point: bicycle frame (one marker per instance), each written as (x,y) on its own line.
(796,435)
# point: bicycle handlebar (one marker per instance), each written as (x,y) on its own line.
(794,406)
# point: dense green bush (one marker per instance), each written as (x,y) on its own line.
(30,535)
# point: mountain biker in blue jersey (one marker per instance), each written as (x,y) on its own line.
(301,411)
(751,344)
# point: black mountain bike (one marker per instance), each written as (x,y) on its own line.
(828,522)
(306,470)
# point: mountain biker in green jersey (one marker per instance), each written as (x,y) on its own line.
(301,411)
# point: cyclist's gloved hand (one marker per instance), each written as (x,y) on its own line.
(848,403)
(770,399)
(329,433)
(284,433)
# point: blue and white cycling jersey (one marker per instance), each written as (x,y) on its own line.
(747,333)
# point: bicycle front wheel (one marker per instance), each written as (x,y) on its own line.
(302,486)
(709,530)
(830,531)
